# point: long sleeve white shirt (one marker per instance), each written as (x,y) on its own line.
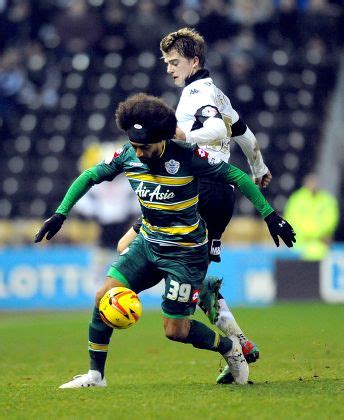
(202,98)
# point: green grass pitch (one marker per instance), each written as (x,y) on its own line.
(299,375)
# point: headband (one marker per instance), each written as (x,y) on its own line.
(139,134)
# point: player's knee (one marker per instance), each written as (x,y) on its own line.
(98,296)
(100,293)
(108,284)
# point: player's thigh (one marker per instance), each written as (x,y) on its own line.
(135,268)
(216,205)
(184,274)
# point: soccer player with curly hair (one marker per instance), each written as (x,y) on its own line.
(172,242)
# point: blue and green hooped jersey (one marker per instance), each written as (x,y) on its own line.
(167,190)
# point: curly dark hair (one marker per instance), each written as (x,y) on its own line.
(148,111)
(187,42)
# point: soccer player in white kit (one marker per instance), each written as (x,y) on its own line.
(205,116)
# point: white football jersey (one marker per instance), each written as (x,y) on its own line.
(202,94)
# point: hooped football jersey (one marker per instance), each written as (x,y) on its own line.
(167,190)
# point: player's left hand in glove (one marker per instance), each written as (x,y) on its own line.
(279,227)
(50,227)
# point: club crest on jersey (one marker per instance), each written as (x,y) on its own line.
(172,166)
(201,153)
(209,111)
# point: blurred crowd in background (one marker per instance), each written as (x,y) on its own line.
(65,64)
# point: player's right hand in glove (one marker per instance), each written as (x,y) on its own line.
(279,227)
(50,227)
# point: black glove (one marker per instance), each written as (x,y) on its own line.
(50,227)
(280,227)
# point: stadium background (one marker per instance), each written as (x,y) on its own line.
(64,65)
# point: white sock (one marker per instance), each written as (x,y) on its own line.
(223,306)
(227,323)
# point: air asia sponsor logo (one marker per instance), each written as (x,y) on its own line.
(153,195)
(195,296)
(201,153)
(172,166)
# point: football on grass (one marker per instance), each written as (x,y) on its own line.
(120,308)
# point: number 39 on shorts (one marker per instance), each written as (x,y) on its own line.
(179,291)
